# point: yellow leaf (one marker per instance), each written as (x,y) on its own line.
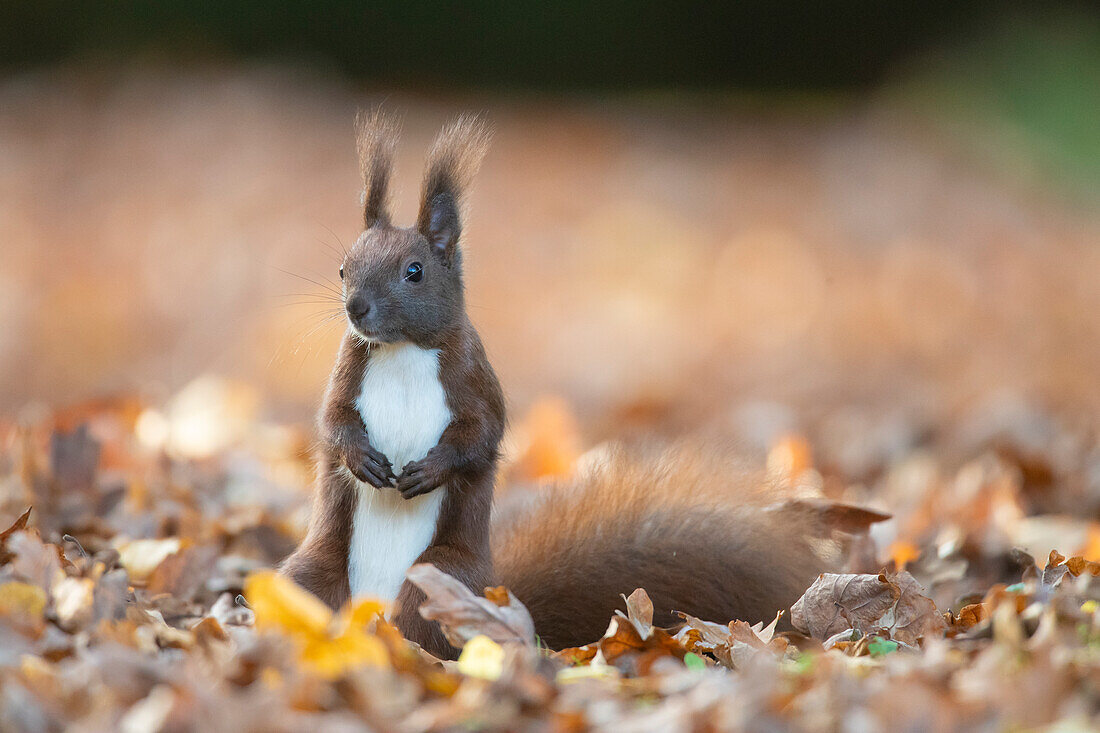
(22,599)
(587,672)
(481,657)
(331,658)
(326,646)
(281,605)
(361,612)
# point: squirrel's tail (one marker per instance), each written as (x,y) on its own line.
(699,536)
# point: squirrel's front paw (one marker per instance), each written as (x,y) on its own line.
(367,464)
(427,474)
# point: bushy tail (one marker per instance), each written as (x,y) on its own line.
(701,536)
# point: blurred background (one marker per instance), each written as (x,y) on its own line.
(875,226)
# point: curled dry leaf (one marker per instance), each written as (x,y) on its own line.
(33,560)
(732,645)
(631,639)
(464,616)
(17,526)
(892,606)
(968,617)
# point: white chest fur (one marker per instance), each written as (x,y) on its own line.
(405,411)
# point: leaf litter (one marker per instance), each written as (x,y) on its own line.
(137,593)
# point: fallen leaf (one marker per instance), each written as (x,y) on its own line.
(481,657)
(893,606)
(23,601)
(182,573)
(732,645)
(281,605)
(498,595)
(141,557)
(72,601)
(463,615)
(227,612)
(17,526)
(631,639)
(33,560)
(970,616)
(329,646)
(587,672)
(639,610)
(150,713)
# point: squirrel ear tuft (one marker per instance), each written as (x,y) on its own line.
(452,163)
(376,138)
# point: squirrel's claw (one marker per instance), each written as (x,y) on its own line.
(418,477)
(369,465)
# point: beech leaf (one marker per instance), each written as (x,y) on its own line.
(893,606)
(463,615)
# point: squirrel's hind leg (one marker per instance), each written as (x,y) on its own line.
(320,574)
(320,564)
(475,574)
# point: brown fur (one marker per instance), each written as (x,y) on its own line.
(430,314)
(376,141)
(701,536)
(453,161)
(696,535)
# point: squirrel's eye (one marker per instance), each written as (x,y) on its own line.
(341,272)
(414,272)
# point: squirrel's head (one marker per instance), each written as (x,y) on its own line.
(406,284)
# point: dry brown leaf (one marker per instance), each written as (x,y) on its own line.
(462,615)
(892,606)
(1079,565)
(183,573)
(631,639)
(34,560)
(17,526)
(72,601)
(734,644)
(970,616)
(639,610)
(141,557)
(498,595)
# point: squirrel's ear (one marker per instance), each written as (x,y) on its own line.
(376,139)
(452,162)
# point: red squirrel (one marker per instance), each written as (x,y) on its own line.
(410,429)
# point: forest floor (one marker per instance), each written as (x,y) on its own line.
(843,296)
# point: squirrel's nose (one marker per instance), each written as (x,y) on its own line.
(358,305)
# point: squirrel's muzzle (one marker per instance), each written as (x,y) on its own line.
(358,306)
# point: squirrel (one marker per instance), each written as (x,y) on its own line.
(410,429)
